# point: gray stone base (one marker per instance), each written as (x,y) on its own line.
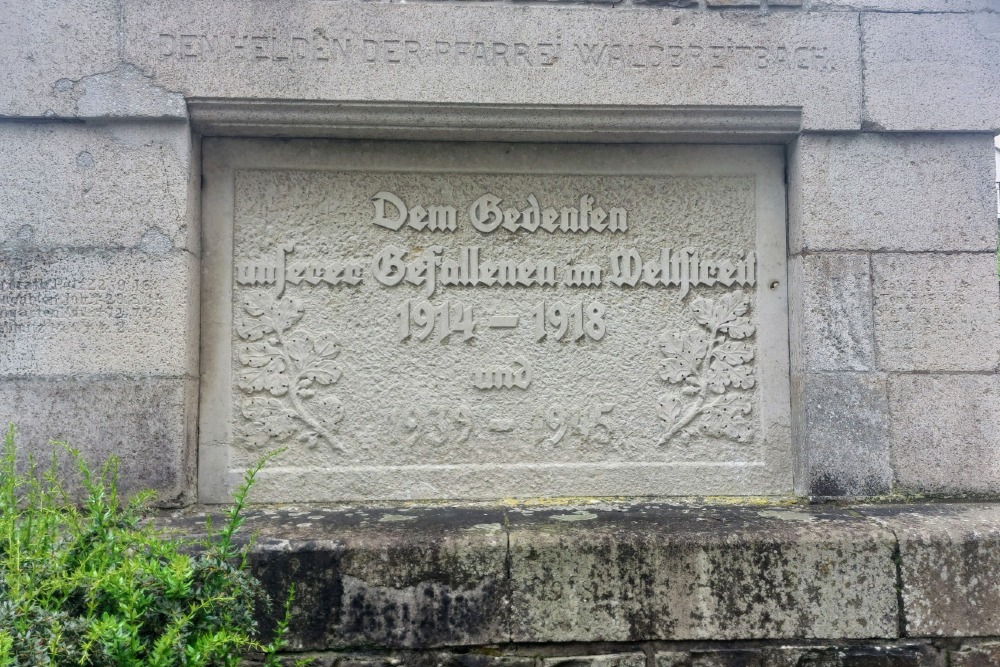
(643,583)
(907,653)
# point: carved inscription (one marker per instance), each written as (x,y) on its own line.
(32,302)
(323,48)
(420,319)
(558,320)
(428,325)
(432,268)
(436,425)
(589,423)
(489,213)
(519,376)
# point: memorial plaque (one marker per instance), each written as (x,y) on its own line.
(487,321)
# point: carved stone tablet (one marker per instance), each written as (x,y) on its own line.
(485,321)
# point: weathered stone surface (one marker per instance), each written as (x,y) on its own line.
(949,557)
(982,655)
(939,6)
(409,578)
(382,577)
(119,185)
(843,430)
(426,659)
(651,572)
(892,192)
(148,424)
(847,655)
(931,71)
(104,312)
(913,653)
(758,4)
(617,660)
(502,54)
(475,658)
(936,312)
(48,47)
(126,92)
(830,313)
(945,432)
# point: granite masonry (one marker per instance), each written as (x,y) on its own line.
(681,267)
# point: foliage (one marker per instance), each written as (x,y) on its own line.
(95,585)
(711,365)
(282,370)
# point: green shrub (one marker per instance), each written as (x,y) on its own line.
(92,583)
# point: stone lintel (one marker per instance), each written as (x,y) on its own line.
(480,121)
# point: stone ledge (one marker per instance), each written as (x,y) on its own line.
(431,577)
(898,653)
(494,122)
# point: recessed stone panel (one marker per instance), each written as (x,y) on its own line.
(476,321)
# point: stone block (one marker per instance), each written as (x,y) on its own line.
(418,659)
(949,556)
(986,654)
(842,430)
(649,572)
(935,6)
(617,660)
(98,312)
(936,312)
(830,313)
(498,54)
(381,577)
(931,72)
(110,186)
(945,432)
(149,424)
(892,192)
(756,4)
(843,655)
(48,47)
(126,92)
(710,658)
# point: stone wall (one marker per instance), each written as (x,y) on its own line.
(886,111)
(887,107)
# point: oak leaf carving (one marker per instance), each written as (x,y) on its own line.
(288,365)
(712,365)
